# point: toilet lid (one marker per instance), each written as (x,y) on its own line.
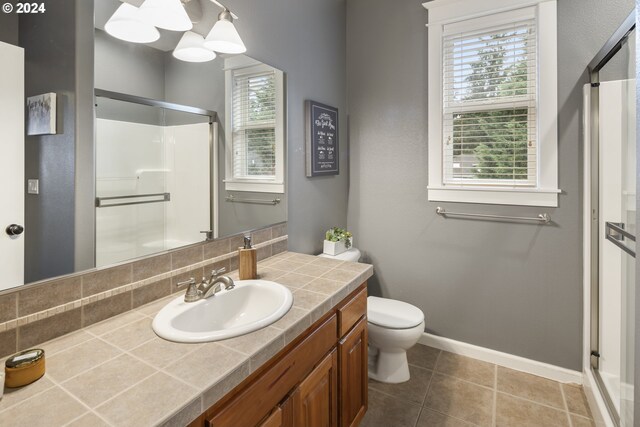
(393,314)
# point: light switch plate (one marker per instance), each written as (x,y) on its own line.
(33,186)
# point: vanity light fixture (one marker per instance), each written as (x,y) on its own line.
(191,49)
(166,14)
(224,37)
(138,25)
(127,24)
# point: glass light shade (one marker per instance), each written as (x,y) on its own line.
(166,14)
(126,24)
(224,38)
(191,49)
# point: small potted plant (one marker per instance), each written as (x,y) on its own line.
(337,240)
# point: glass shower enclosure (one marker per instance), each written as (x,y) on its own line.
(610,113)
(148,155)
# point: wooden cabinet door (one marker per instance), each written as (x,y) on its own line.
(315,401)
(353,375)
(273,420)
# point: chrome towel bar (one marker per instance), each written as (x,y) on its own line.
(234,199)
(166,197)
(543,218)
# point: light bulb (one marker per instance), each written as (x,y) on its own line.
(191,49)
(126,24)
(166,14)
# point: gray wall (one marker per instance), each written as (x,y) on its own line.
(52,48)
(9,28)
(128,67)
(305,39)
(515,288)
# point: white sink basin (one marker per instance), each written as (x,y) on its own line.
(251,305)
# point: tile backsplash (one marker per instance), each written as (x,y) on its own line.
(38,312)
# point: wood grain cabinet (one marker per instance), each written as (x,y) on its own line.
(319,380)
(353,375)
(315,401)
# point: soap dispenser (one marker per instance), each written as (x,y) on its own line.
(247,261)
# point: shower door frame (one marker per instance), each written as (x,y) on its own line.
(213,142)
(606,53)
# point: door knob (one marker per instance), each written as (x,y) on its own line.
(14,230)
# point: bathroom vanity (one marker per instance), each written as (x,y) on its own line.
(308,368)
(319,379)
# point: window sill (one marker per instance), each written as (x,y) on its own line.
(494,196)
(255,186)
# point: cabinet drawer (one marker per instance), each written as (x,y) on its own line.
(352,311)
(261,396)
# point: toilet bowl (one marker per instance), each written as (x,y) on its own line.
(394,327)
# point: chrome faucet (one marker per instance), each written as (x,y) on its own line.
(207,287)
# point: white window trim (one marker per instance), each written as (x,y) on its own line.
(546,192)
(259,185)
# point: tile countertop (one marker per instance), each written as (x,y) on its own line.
(119,373)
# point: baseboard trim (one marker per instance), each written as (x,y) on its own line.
(507,360)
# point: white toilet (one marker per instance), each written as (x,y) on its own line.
(394,327)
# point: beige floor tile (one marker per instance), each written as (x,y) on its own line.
(97,385)
(466,368)
(460,399)
(511,411)
(206,365)
(131,335)
(387,411)
(578,421)
(576,400)
(13,396)
(414,390)
(423,356)
(39,410)
(160,353)
(530,387)
(88,419)
(142,405)
(429,418)
(66,364)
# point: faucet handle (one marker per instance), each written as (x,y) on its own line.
(191,281)
(216,273)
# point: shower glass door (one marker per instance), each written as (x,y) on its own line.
(148,158)
(614,99)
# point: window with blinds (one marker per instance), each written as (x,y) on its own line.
(489,105)
(254,125)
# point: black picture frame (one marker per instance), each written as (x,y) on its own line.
(322,140)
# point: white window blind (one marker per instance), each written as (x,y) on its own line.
(489,105)
(254,125)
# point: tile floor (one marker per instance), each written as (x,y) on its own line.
(447,390)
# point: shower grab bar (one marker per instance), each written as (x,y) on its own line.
(544,218)
(615,233)
(234,199)
(166,197)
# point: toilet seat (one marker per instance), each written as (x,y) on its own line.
(393,314)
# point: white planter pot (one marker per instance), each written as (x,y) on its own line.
(334,248)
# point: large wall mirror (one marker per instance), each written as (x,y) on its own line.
(149,151)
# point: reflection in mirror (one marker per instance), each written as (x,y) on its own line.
(106,148)
(146,158)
